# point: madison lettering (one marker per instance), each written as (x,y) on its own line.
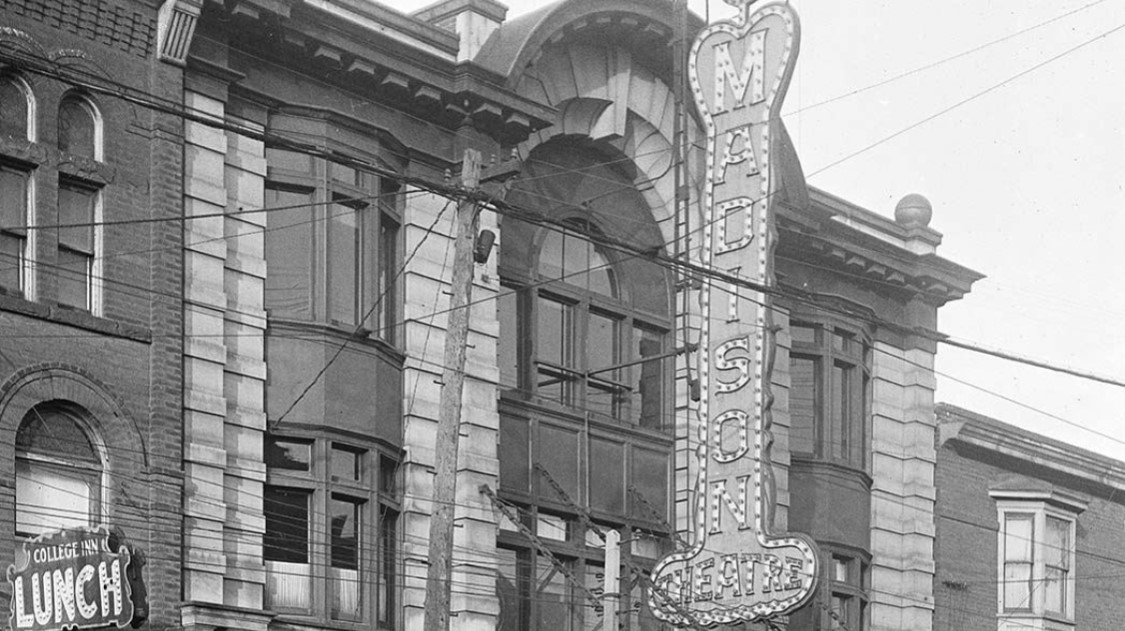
(71,580)
(736,569)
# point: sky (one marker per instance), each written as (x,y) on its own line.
(1019,144)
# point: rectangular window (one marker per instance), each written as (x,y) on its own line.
(344,255)
(75,261)
(558,454)
(13,235)
(388,538)
(802,404)
(555,351)
(289,253)
(285,548)
(343,573)
(1019,533)
(508,346)
(647,407)
(607,476)
(515,463)
(649,484)
(387,311)
(1056,554)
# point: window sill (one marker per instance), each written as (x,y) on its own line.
(76,318)
(1021,621)
(298,622)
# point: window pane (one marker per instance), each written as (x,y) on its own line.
(839,569)
(555,332)
(387,273)
(287,525)
(802,334)
(839,611)
(607,476)
(511,590)
(290,455)
(1054,590)
(1017,586)
(13,200)
(647,393)
(343,263)
(1057,544)
(51,432)
(344,524)
(840,406)
(554,611)
(558,454)
(13,110)
(345,464)
(74,278)
(51,498)
(289,234)
(388,475)
(13,218)
(515,463)
(593,620)
(508,344)
(388,538)
(551,255)
(601,345)
(76,209)
(288,160)
(650,484)
(802,404)
(600,275)
(1018,537)
(76,128)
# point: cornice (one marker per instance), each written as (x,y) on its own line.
(870,248)
(390,57)
(970,428)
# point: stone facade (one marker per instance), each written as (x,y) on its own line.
(291,335)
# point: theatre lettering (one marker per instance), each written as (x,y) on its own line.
(71,579)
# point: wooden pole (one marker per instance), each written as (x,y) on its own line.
(438,573)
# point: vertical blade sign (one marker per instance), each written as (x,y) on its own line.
(736,570)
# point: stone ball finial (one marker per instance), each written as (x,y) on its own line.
(914,210)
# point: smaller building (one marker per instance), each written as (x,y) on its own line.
(1030,530)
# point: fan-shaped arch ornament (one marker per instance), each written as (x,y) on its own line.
(736,568)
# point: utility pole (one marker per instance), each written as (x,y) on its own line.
(612,592)
(440,568)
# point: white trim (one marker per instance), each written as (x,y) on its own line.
(1040,505)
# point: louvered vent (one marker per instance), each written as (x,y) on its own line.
(177,25)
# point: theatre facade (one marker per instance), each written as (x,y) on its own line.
(316,153)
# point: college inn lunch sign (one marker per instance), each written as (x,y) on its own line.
(71,579)
(736,569)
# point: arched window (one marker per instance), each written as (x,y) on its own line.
(16,109)
(58,471)
(79,128)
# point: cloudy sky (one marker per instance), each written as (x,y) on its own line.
(1009,116)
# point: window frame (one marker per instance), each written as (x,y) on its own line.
(1039,506)
(24,239)
(377,202)
(96,122)
(826,357)
(30,127)
(582,380)
(379,510)
(94,258)
(94,473)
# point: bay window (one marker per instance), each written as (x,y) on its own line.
(1036,556)
(330,538)
(331,243)
(829,368)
